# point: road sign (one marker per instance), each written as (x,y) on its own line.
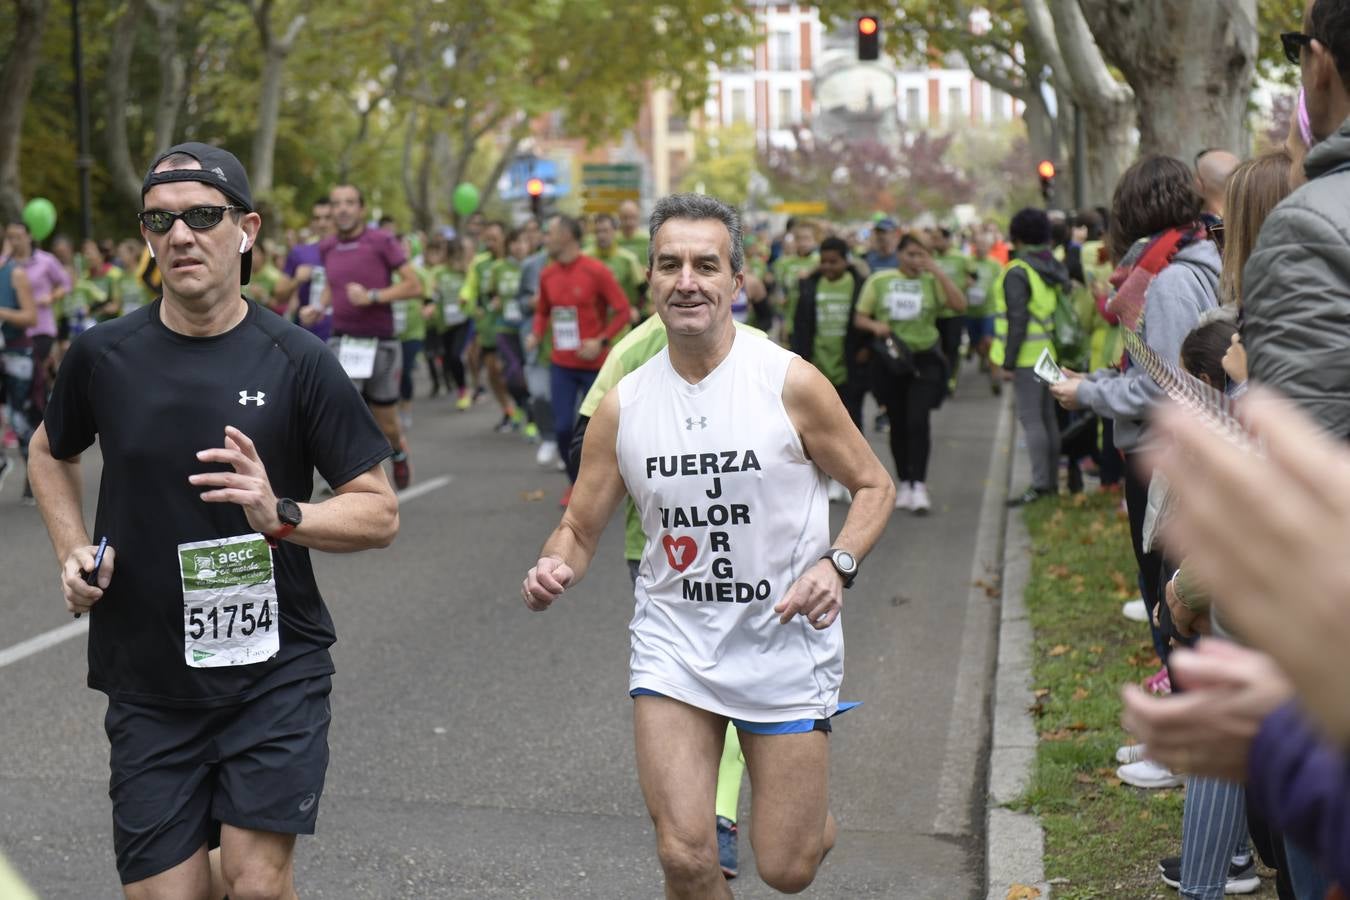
(802,208)
(616,175)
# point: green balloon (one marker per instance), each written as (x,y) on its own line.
(40,216)
(465,199)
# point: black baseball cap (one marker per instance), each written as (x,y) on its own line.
(221,170)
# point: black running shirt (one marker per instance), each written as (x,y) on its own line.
(153,398)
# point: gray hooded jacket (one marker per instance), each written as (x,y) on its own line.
(1175,301)
(1296,291)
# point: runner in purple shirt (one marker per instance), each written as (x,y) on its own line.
(305,275)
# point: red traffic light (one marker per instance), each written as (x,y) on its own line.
(534,187)
(1046,169)
(867,25)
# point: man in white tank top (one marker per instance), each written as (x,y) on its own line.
(725,443)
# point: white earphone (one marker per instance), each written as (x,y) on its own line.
(151,249)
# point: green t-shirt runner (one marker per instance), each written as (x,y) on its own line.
(475,297)
(834,300)
(980,295)
(636,348)
(909,305)
(443,286)
(504,289)
(787,271)
(625,268)
(957,267)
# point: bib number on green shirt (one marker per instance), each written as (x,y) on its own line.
(230,615)
(904,300)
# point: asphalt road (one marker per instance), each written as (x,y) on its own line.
(482,751)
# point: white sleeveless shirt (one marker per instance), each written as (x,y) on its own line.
(734,513)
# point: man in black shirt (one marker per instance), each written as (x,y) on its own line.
(207,630)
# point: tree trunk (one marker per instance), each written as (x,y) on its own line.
(275,51)
(16,82)
(1041,126)
(1190,64)
(413,189)
(1107,105)
(172,72)
(120,167)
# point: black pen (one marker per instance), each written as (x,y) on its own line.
(91,578)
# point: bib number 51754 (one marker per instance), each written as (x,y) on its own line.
(222,621)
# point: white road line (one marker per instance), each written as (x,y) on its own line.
(969,720)
(25,649)
(47,639)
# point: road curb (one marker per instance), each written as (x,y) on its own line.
(1014,841)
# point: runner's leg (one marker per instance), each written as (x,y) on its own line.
(189,880)
(257,863)
(677,751)
(454,341)
(791,828)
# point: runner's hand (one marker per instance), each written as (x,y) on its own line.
(310,314)
(247,485)
(304,273)
(545,583)
(79,595)
(531,342)
(818,595)
(358,294)
(590,348)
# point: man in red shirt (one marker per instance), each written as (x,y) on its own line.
(585,308)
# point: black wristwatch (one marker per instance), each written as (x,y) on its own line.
(845,563)
(288,511)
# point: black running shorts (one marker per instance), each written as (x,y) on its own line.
(178,773)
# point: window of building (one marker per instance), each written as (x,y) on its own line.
(913,104)
(785,117)
(785,59)
(739,111)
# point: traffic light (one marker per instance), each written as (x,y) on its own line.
(1046,169)
(869,38)
(535,188)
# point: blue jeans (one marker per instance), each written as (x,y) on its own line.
(1213,830)
(1304,874)
(568,388)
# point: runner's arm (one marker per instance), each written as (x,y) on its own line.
(26,315)
(955,297)
(362,514)
(57,485)
(597,493)
(834,443)
(408,287)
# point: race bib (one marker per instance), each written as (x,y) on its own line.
(400,317)
(976,296)
(566,328)
(904,300)
(230,615)
(512,312)
(357,356)
(19,365)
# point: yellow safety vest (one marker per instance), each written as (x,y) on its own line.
(1042,310)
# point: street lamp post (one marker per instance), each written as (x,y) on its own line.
(83,161)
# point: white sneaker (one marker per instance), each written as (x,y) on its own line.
(838,493)
(1130,753)
(1135,610)
(1148,774)
(547,453)
(919,501)
(904,496)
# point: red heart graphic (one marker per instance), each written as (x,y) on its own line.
(680,551)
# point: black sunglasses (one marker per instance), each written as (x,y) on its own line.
(1294,42)
(198,218)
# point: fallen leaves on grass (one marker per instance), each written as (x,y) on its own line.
(1081,694)
(532,496)
(1060,649)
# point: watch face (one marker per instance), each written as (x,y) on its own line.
(288,511)
(844,560)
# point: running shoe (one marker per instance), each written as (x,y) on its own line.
(547,454)
(463,401)
(531,432)
(904,496)
(1130,753)
(506,425)
(726,847)
(1160,682)
(1135,610)
(1148,774)
(402,470)
(838,493)
(479,394)
(1242,877)
(1031,495)
(918,499)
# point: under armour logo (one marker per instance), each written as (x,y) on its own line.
(217,171)
(701,422)
(245,398)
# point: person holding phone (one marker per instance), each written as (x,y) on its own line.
(207,630)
